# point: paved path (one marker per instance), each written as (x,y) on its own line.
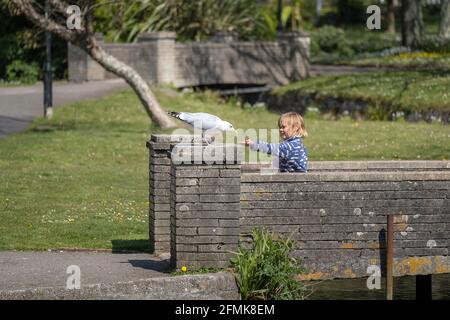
(20,105)
(21,270)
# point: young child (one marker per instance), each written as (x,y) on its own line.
(293,156)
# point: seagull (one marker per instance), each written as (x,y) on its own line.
(203,121)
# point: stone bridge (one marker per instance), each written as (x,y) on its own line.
(223,60)
(336,213)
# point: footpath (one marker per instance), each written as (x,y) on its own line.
(20,105)
(100,275)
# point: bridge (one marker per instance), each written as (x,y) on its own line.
(336,213)
(223,60)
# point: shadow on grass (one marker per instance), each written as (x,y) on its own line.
(49,127)
(130,246)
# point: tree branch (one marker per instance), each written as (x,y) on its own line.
(61,6)
(27,9)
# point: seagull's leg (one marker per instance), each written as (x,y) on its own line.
(204,139)
(207,140)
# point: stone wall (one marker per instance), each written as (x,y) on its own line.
(336,213)
(338,218)
(160,188)
(161,60)
(274,63)
(332,107)
(205,206)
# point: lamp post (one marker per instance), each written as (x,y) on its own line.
(48,95)
(319,5)
(280,23)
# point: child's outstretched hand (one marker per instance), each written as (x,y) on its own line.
(247,141)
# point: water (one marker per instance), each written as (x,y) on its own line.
(356,289)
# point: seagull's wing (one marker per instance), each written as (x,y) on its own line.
(203,121)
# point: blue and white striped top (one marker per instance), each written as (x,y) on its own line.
(291,152)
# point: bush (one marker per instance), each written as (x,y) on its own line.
(331,40)
(372,42)
(433,43)
(19,71)
(266,271)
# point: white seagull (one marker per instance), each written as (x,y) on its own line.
(203,121)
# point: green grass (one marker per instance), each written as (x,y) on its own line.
(6,84)
(410,91)
(403,61)
(80,180)
(364,47)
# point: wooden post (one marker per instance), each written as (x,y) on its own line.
(390,258)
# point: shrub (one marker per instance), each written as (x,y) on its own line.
(266,271)
(19,71)
(329,38)
(432,43)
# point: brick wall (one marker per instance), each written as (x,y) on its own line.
(336,213)
(77,64)
(159,59)
(273,63)
(205,205)
(338,218)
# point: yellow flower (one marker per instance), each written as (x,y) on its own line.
(183,268)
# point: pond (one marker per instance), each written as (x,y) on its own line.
(356,289)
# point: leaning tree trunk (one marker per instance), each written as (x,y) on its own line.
(140,87)
(83,37)
(412,23)
(444,28)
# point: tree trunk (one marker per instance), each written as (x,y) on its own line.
(391,16)
(85,39)
(139,85)
(444,28)
(412,23)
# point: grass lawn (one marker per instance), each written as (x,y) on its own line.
(373,48)
(81,179)
(410,91)
(411,60)
(5,84)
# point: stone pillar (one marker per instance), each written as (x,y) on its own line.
(299,46)
(162,46)
(77,63)
(94,70)
(159,196)
(205,205)
(159,186)
(81,66)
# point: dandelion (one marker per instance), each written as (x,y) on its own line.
(183,268)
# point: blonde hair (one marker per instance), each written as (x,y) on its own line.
(295,124)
